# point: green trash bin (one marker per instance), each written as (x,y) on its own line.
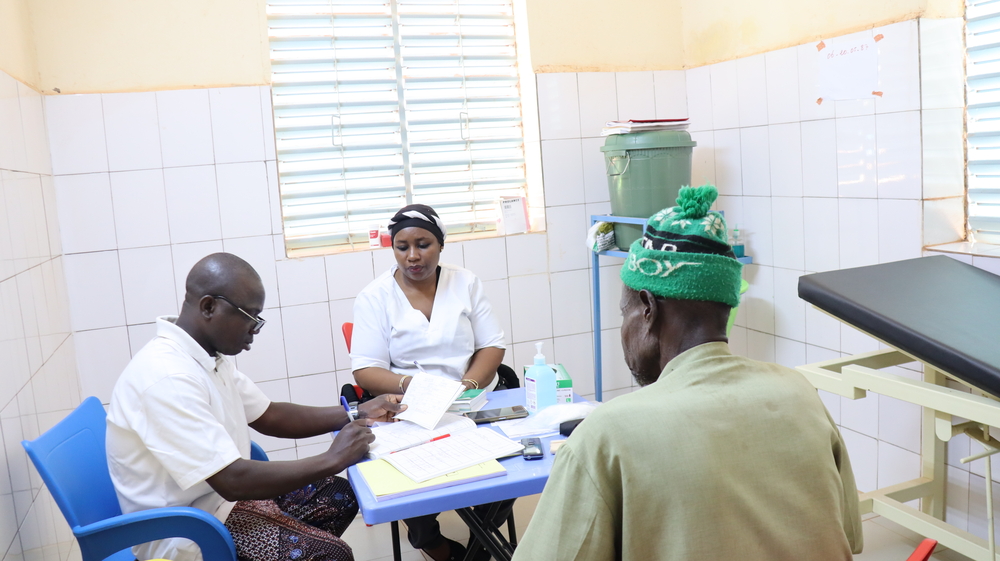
(645,172)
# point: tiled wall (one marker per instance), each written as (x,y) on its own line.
(38,381)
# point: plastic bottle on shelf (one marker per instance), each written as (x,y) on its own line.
(539,383)
(736,240)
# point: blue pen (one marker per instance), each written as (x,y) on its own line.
(343,401)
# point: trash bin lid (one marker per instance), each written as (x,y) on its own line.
(647,139)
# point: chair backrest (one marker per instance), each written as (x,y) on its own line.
(72,461)
(348,330)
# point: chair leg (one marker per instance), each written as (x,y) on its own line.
(511,530)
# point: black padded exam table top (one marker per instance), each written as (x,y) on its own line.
(937,309)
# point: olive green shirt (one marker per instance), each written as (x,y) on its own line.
(721,458)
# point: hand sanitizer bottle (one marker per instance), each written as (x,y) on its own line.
(539,383)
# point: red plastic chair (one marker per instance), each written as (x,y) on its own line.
(923,551)
(348,330)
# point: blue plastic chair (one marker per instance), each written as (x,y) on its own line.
(72,461)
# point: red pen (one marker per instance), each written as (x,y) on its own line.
(421,443)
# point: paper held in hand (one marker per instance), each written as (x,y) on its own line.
(427,398)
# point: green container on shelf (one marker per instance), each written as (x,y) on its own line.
(645,171)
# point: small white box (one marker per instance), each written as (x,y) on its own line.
(513,218)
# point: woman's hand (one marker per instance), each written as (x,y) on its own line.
(383,408)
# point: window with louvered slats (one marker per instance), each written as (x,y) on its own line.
(382,103)
(982,44)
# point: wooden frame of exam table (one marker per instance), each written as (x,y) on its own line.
(854,376)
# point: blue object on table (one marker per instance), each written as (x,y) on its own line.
(596,281)
(71,459)
(522,478)
(347,408)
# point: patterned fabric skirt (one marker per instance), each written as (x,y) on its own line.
(304,525)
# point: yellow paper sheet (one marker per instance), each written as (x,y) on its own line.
(386,481)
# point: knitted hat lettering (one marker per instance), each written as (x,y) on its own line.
(684,253)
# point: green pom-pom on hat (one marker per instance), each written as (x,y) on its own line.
(694,202)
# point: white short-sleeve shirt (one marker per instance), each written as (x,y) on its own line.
(389,333)
(177,416)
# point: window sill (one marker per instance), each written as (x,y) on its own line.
(967,248)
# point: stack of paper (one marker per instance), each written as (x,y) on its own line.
(427,398)
(458,451)
(387,482)
(470,400)
(393,437)
(634,125)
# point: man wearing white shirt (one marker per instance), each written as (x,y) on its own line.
(178,436)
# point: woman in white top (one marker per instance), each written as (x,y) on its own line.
(423,315)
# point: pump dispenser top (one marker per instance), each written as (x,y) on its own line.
(539,357)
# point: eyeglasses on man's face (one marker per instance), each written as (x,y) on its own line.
(257,320)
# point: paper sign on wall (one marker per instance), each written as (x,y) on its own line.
(848,67)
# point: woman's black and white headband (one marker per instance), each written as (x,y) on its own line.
(421,216)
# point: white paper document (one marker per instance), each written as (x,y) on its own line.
(391,437)
(456,452)
(847,67)
(427,398)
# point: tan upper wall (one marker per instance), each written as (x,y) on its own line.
(80,46)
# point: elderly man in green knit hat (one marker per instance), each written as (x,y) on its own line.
(717,457)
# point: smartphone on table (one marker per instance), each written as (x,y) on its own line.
(532,448)
(501,414)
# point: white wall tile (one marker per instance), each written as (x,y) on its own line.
(192,204)
(341,312)
(13,155)
(347,274)
(131,126)
(789,232)
(86,215)
(558,105)
(237,129)
(725,95)
(943,144)
(785,150)
(185,255)
(610,297)
(185,122)
(567,226)
(944,220)
(635,95)
(808,58)
(595,178)
(756,162)
(140,208)
(302,281)
(526,254)
(148,286)
(274,198)
(853,341)
(94,287)
(453,254)
(698,84)
(615,373)
(898,67)
(530,308)
(899,423)
(243,199)
(76,133)
(139,335)
(856,173)
(498,293)
(957,498)
(789,353)
(896,465)
(728,162)
(942,53)
(670,89)
(316,390)
(789,309)
(991,264)
(258,251)
(267,118)
(819,158)
(760,346)
(758,301)
(598,101)
(752,83)
(576,354)
(821,234)
(308,339)
(562,170)
(756,229)
(782,70)
(898,155)
(703,158)
(859,232)
(899,230)
(571,302)
(36,140)
(101,356)
(860,415)
(822,330)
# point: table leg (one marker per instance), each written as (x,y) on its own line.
(396,554)
(495,544)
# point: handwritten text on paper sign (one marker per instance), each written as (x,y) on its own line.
(847,67)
